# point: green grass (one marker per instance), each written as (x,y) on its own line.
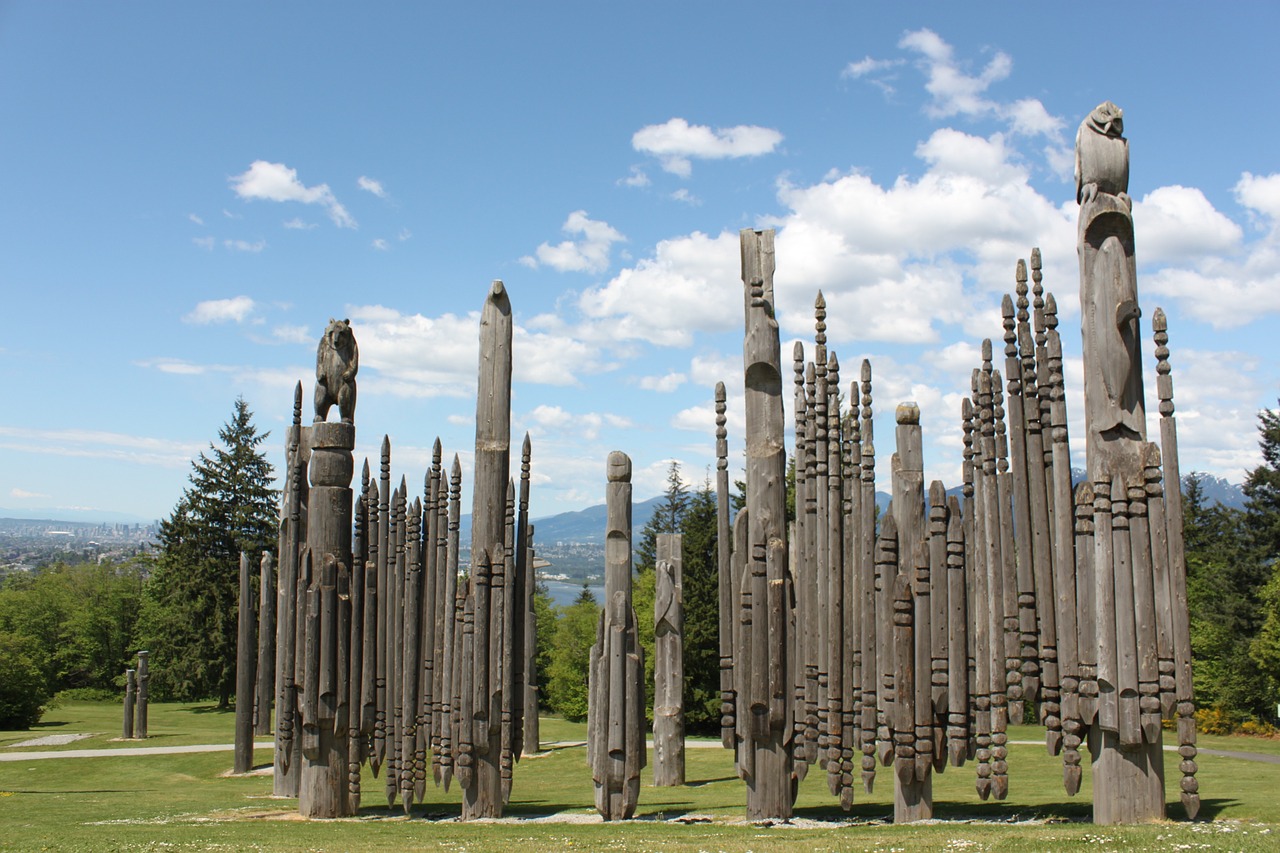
(183,802)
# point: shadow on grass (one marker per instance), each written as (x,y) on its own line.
(698,783)
(50,725)
(211,709)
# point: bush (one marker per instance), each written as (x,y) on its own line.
(23,690)
(89,694)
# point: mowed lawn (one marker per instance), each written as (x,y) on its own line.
(188,802)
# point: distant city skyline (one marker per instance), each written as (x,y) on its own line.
(191,193)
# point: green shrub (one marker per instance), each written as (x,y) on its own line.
(23,690)
(89,694)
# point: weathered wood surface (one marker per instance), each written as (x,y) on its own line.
(264,690)
(668,662)
(246,670)
(615,711)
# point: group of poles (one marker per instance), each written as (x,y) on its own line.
(389,650)
(848,640)
(914,642)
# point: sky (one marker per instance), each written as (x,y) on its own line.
(189,192)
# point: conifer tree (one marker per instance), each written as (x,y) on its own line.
(190,613)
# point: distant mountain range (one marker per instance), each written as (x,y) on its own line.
(82,516)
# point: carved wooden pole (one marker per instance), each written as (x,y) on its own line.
(144,681)
(724,576)
(768,650)
(529,739)
(265,688)
(1179,628)
(615,710)
(482,798)
(668,663)
(130,686)
(324,789)
(1128,767)
(287,760)
(246,670)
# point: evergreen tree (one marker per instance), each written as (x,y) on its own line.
(1262,519)
(666,518)
(190,613)
(701,587)
(1223,582)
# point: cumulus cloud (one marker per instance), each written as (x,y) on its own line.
(369,185)
(296,224)
(662,300)
(234,310)
(588,253)
(1208,256)
(98,444)
(637,178)
(277,182)
(676,143)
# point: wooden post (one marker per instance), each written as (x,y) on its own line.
(144,681)
(615,708)
(769,705)
(1127,768)
(265,688)
(246,671)
(668,663)
(724,577)
(482,798)
(130,686)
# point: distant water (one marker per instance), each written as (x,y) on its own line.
(564,593)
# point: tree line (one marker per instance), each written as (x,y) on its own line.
(78,626)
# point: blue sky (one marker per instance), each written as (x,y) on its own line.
(189,192)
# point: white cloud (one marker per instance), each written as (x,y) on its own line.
(1177,223)
(277,182)
(296,224)
(637,178)
(954,91)
(1218,279)
(381,245)
(868,65)
(684,288)
(663,384)
(590,253)
(196,219)
(372,186)
(245,246)
(404,234)
(677,142)
(291,334)
(205,243)
(685,196)
(234,310)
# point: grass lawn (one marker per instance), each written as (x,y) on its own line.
(184,802)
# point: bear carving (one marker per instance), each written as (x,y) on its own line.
(337,360)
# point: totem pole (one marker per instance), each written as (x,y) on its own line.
(130,685)
(144,681)
(287,762)
(246,671)
(668,663)
(265,688)
(615,705)
(482,762)
(325,582)
(766,654)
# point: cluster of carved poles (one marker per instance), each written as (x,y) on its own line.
(914,643)
(386,653)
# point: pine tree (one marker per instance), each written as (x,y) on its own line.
(190,613)
(666,518)
(701,613)
(1262,519)
(1223,583)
